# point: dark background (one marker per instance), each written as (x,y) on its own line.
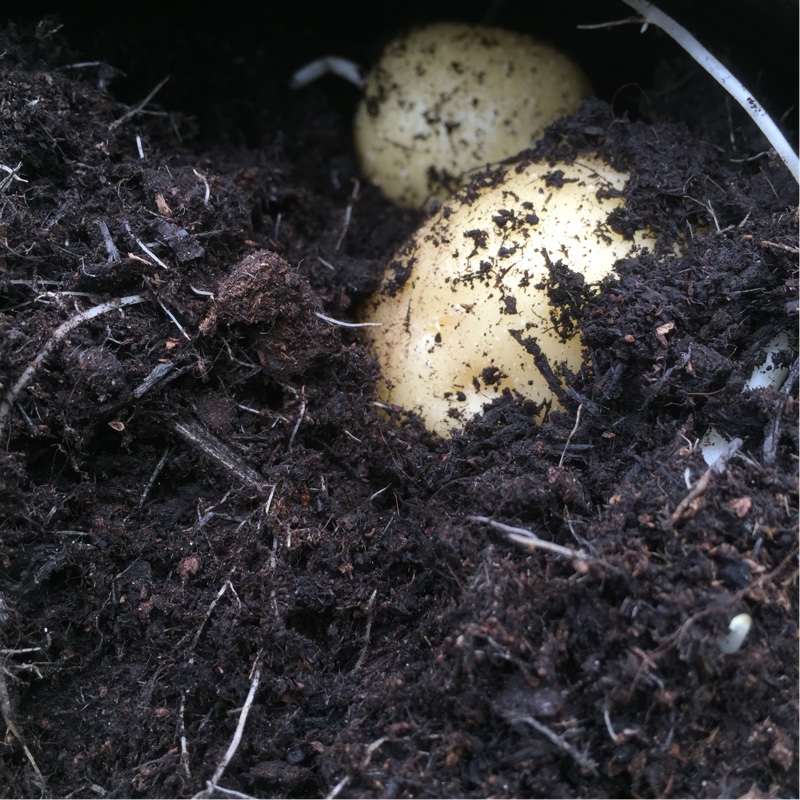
(229,63)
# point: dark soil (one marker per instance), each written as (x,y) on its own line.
(205,521)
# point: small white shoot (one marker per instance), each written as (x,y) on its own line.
(328,65)
(738,629)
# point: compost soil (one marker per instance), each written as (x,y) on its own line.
(224,569)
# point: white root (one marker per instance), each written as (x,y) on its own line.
(333,321)
(724,77)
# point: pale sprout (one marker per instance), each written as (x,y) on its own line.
(738,629)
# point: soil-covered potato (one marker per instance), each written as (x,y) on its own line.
(447,98)
(465,312)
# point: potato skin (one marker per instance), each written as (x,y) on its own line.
(465,293)
(448,98)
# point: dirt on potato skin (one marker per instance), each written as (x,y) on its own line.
(149,571)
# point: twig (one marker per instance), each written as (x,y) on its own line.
(5,707)
(58,334)
(347,324)
(558,741)
(765,578)
(297,424)
(338,788)
(34,285)
(237,735)
(182,733)
(724,77)
(205,183)
(370,617)
(12,176)
(147,250)
(43,297)
(602,25)
(211,608)
(571,434)
(774,427)
(153,477)
(197,436)
(380,491)
(703,482)
(778,246)
(348,212)
(532,541)
(371,748)
(172,317)
(576,536)
(707,207)
(158,372)
(111,248)
(617,738)
(136,109)
(268,504)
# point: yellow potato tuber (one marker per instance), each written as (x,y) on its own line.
(452,336)
(448,98)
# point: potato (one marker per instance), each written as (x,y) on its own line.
(475,273)
(447,98)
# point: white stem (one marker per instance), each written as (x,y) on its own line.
(723,76)
(58,335)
